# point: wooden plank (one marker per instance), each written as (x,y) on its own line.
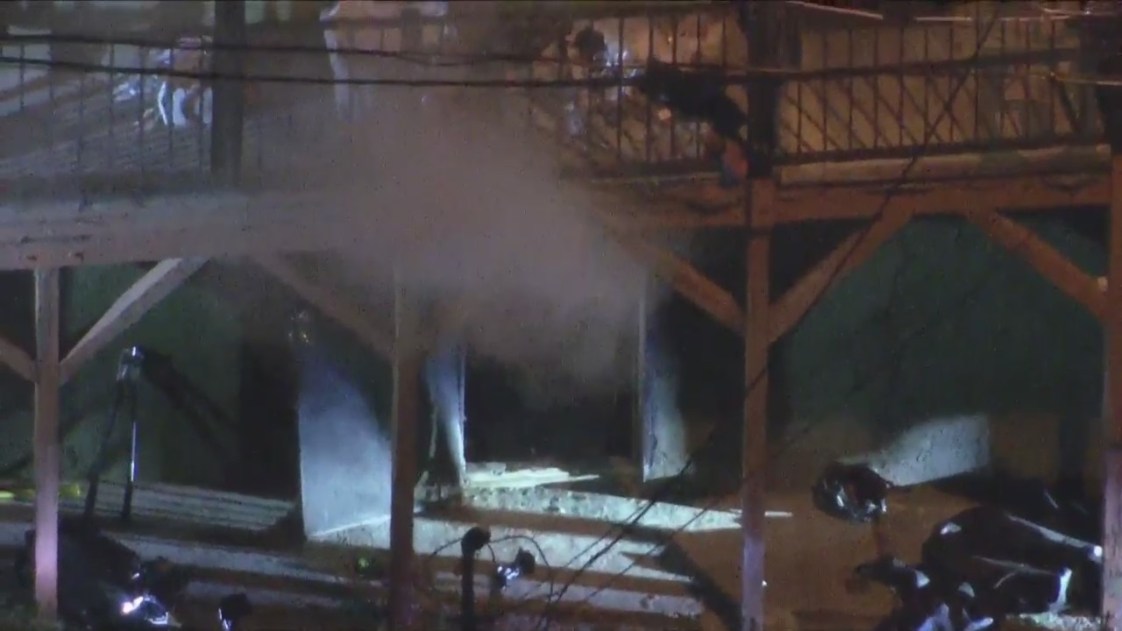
(346,314)
(207,224)
(790,308)
(1045,259)
(408,361)
(963,166)
(47,445)
(1112,325)
(17,359)
(688,281)
(1005,194)
(128,309)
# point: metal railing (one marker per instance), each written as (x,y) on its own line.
(877,92)
(90,116)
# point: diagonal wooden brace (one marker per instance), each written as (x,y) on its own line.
(155,285)
(1045,259)
(859,247)
(341,311)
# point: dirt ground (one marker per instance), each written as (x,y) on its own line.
(677,569)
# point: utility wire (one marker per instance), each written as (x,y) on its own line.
(629,78)
(77,66)
(425,57)
(667,489)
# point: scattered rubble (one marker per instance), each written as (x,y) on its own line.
(983,566)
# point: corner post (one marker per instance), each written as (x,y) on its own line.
(46,441)
(1110,99)
(765,50)
(407,365)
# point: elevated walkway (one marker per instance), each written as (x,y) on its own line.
(857,102)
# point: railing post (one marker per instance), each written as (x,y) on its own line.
(228,91)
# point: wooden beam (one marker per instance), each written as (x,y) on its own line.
(206,224)
(47,446)
(1112,330)
(155,285)
(1045,259)
(681,219)
(228,94)
(407,364)
(688,281)
(790,308)
(844,201)
(347,315)
(17,359)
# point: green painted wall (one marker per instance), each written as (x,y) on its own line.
(198,331)
(942,322)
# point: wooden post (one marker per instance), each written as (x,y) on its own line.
(228,101)
(406,411)
(1112,457)
(764,48)
(1109,99)
(46,441)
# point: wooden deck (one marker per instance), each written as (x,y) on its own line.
(237,542)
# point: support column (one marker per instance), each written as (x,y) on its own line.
(762,29)
(406,410)
(1109,99)
(228,100)
(1112,456)
(46,441)
(658,435)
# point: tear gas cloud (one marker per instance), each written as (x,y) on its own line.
(472,212)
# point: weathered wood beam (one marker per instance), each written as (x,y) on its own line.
(207,224)
(859,247)
(688,281)
(47,447)
(1007,194)
(1045,259)
(346,314)
(407,364)
(1112,329)
(17,359)
(761,29)
(682,219)
(155,285)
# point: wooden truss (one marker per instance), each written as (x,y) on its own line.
(183,246)
(763,322)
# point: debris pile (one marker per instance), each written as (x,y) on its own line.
(981,566)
